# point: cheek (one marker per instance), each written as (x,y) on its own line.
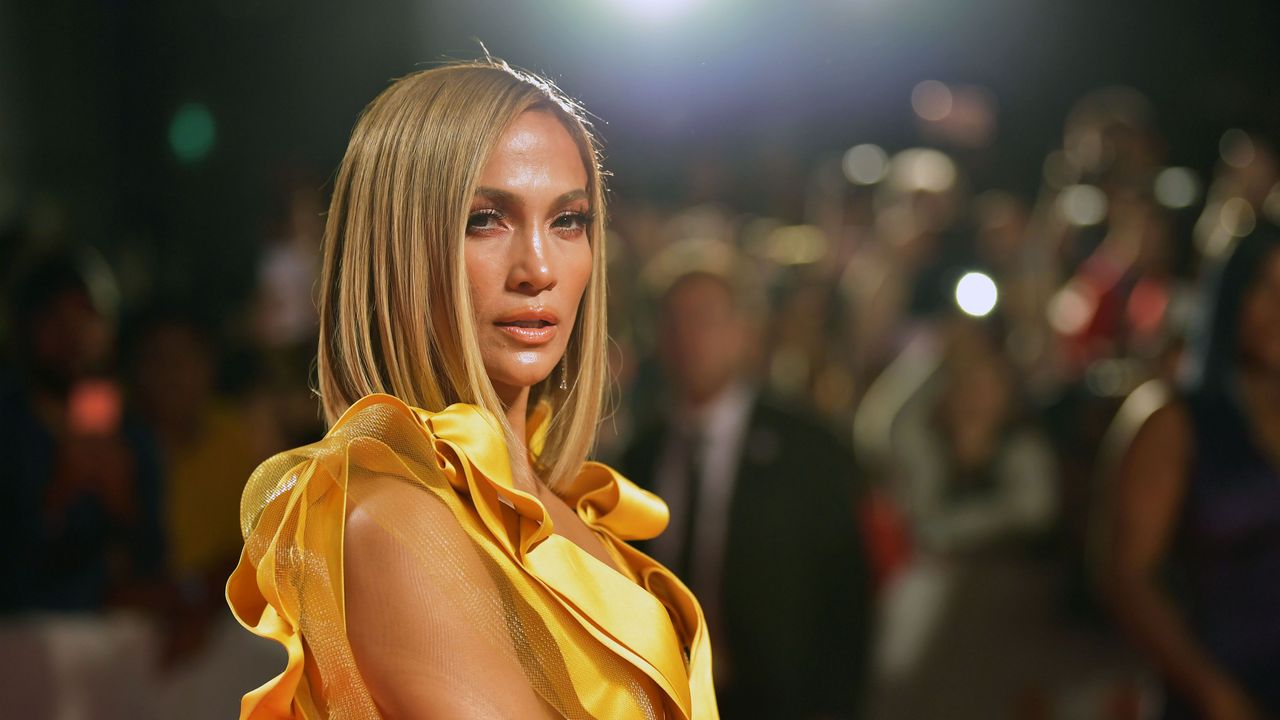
(579,268)
(483,279)
(575,274)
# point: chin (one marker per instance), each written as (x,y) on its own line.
(517,375)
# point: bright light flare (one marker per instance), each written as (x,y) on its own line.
(976,294)
(656,10)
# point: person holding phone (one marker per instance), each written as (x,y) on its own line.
(81,484)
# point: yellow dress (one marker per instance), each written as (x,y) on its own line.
(592,642)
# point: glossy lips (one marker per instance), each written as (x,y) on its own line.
(531,327)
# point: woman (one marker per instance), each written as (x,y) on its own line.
(967,619)
(1200,486)
(445,551)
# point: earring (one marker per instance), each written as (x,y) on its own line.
(564,373)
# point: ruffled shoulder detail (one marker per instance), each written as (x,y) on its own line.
(601,495)
(653,623)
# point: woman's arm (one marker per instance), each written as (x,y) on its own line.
(425,623)
(1149,492)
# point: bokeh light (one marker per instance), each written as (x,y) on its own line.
(1059,171)
(922,170)
(976,294)
(865,164)
(1177,187)
(1082,205)
(795,245)
(1072,307)
(1236,148)
(931,100)
(1237,217)
(192,132)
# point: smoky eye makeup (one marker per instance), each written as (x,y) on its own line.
(574,219)
(483,220)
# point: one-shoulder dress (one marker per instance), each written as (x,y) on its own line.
(593,641)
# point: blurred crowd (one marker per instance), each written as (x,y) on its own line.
(939,390)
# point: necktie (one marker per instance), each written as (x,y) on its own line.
(692,450)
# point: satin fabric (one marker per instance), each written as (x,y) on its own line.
(293,516)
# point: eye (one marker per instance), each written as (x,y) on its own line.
(484,220)
(572,222)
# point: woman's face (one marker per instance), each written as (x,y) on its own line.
(1260,317)
(527,251)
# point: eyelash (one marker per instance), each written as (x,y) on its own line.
(583,219)
(485,213)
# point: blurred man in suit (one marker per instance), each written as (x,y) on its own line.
(762,515)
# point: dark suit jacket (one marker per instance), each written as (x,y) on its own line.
(796,595)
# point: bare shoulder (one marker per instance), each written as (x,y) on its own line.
(1158,457)
(424,613)
(398,533)
(387,511)
(1167,428)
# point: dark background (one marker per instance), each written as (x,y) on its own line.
(725,119)
(88,90)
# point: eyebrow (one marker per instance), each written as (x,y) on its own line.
(502,197)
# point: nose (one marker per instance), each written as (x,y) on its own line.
(532,269)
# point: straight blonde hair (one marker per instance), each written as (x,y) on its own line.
(395,306)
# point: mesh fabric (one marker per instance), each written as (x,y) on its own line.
(482,593)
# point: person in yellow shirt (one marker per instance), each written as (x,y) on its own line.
(446,550)
(207,444)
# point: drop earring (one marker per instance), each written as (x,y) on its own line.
(564,373)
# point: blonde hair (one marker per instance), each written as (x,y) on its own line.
(395,306)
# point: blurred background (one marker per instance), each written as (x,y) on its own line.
(983,236)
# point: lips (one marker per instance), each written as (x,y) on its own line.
(530,327)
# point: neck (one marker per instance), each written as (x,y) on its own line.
(697,402)
(515,403)
(516,408)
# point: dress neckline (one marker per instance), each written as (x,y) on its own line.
(636,618)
